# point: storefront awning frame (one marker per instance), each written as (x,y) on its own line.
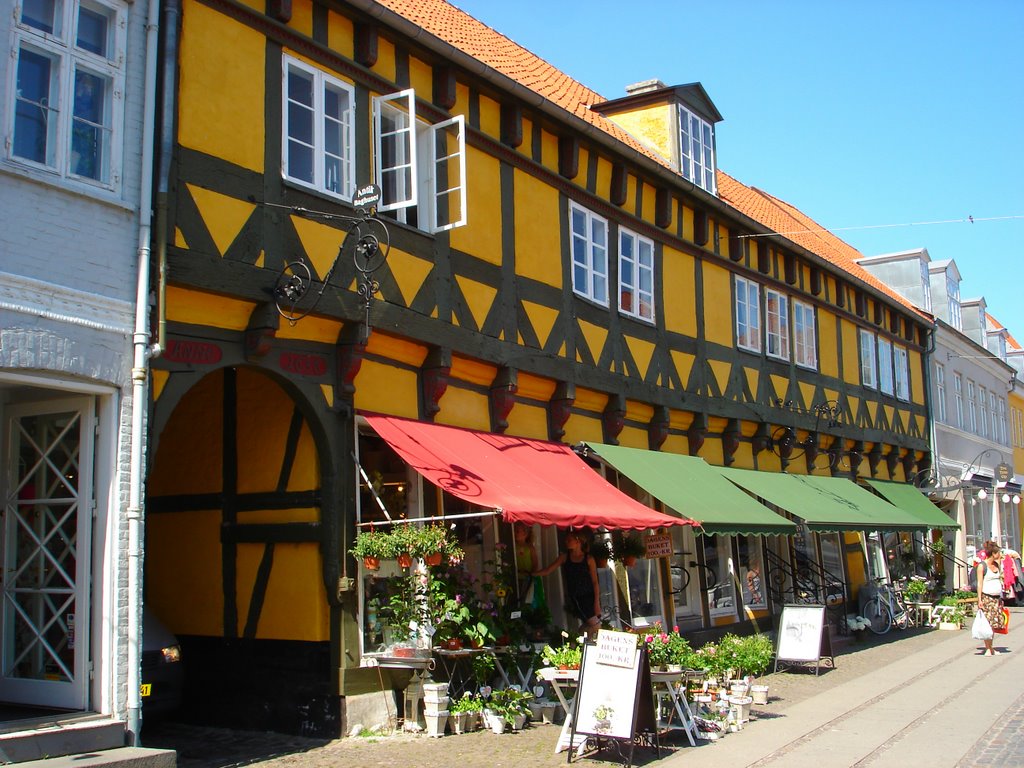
(912,500)
(692,487)
(530,481)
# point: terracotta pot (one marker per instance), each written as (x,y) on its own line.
(433,558)
(404,560)
(371,563)
(453,643)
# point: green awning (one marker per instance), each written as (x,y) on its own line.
(910,499)
(825,503)
(691,487)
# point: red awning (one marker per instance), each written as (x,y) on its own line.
(530,481)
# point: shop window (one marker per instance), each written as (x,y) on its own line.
(721,590)
(751,572)
(685,579)
(832,562)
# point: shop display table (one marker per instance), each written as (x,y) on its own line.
(520,666)
(669,690)
(407,675)
(457,667)
(920,613)
(564,682)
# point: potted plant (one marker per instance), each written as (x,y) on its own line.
(510,706)
(462,709)
(630,548)
(915,590)
(433,543)
(566,656)
(402,542)
(601,551)
(371,546)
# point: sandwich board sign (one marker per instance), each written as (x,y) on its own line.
(614,699)
(803,636)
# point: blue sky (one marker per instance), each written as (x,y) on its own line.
(862,114)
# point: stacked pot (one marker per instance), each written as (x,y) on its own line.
(435,707)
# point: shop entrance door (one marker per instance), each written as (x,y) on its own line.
(46,543)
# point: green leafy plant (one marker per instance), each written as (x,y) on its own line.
(484,667)
(631,545)
(752,654)
(601,550)
(467,702)
(915,589)
(373,544)
(508,703)
(566,656)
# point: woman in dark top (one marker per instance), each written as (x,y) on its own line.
(579,574)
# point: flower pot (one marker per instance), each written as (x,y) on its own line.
(434,558)
(674,668)
(453,643)
(740,706)
(949,625)
(404,560)
(759,693)
(436,723)
(460,721)
(547,713)
(536,710)
(495,722)
(518,722)
(601,562)
(371,563)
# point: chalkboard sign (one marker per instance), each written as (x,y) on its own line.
(803,635)
(614,698)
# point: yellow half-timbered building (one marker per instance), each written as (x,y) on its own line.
(544,263)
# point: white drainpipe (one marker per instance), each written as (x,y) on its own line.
(140,390)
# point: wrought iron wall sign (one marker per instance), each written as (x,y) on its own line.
(368,242)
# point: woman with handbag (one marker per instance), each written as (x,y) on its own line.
(990,591)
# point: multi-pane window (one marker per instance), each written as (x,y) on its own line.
(926,285)
(420,168)
(589,244)
(953,293)
(868,359)
(1002,422)
(902,372)
(319,126)
(982,413)
(748,315)
(67,103)
(636,275)
(940,393)
(697,150)
(805,334)
(777,324)
(972,407)
(885,376)
(993,410)
(958,399)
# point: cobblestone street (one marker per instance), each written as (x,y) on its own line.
(1002,746)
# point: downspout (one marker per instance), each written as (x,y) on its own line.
(168,106)
(140,389)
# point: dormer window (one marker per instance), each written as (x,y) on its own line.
(953,293)
(697,150)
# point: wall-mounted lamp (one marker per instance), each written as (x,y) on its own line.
(982,494)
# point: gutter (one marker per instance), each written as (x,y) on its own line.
(140,388)
(533,99)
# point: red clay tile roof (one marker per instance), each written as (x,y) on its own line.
(471,36)
(995,325)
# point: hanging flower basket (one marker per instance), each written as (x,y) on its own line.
(371,563)
(404,560)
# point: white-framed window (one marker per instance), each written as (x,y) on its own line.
(993,410)
(697,150)
(972,407)
(636,275)
(805,335)
(748,315)
(776,320)
(1002,422)
(953,295)
(420,168)
(940,393)
(868,359)
(885,375)
(902,372)
(67,100)
(588,235)
(319,130)
(982,413)
(958,399)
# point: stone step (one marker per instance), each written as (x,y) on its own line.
(120,757)
(40,739)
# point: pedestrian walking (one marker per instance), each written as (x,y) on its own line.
(579,573)
(990,591)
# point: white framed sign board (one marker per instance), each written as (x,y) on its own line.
(803,636)
(614,699)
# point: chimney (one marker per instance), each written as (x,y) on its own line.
(644,86)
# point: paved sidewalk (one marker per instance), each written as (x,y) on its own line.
(917,698)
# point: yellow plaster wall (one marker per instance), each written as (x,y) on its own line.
(851,353)
(650,124)
(340,34)
(717,305)
(538,238)
(581,427)
(221,76)
(464,408)
(490,116)
(680,288)
(481,236)
(198,308)
(387,389)
(421,78)
(528,421)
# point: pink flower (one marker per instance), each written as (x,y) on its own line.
(676,629)
(648,638)
(664,639)
(458,599)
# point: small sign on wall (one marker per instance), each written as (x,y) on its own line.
(658,545)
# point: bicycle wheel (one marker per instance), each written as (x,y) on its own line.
(877,612)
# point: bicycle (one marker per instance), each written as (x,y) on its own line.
(886,608)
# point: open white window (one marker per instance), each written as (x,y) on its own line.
(777,324)
(636,275)
(868,360)
(421,168)
(748,315)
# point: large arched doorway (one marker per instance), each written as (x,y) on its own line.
(234,553)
